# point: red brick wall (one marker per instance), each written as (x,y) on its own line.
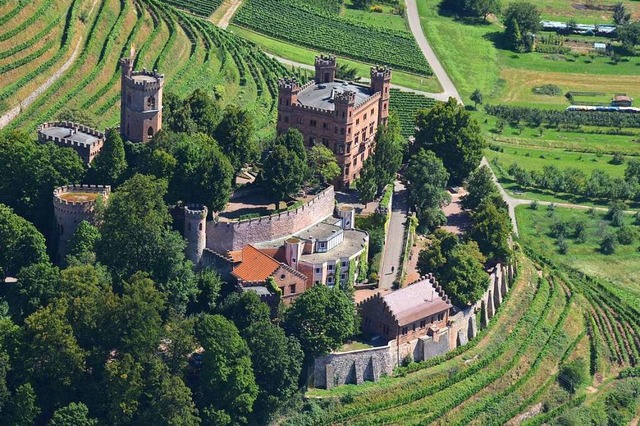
(285,279)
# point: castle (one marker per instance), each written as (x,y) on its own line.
(342,116)
(140,102)
(87,142)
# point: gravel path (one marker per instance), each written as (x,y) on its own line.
(395,236)
(226,18)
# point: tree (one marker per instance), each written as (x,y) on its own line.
(513,35)
(21,243)
(209,285)
(77,116)
(235,134)
(366,184)
(573,375)
(31,171)
(427,179)
(203,111)
(38,284)
(633,170)
(523,17)
(110,164)
(477,98)
(482,8)
(387,156)
(135,237)
(283,172)
(22,408)
(82,244)
(629,35)
(480,186)
(620,14)
(323,167)
(609,243)
(491,228)
(321,319)
(463,277)
(227,387)
(244,309)
(76,414)
(277,363)
(362,4)
(433,257)
(203,173)
(455,137)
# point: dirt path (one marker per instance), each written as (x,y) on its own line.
(228,15)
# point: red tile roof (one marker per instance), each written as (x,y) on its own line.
(256,266)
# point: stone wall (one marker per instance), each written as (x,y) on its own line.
(370,364)
(227,236)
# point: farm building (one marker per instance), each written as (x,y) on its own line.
(621,100)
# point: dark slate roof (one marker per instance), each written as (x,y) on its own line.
(320,95)
(69,134)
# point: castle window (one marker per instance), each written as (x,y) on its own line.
(282,276)
(312,123)
(342,131)
(365,116)
(372,111)
(344,264)
(343,114)
(386,89)
(384,106)
(356,139)
(357,121)
(150,132)
(423,323)
(287,102)
(151,102)
(200,227)
(348,148)
(300,120)
(317,270)
(292,289)
(335,129)
(61,229)
(404,331)
(440,316)
(324,125)
(329,267)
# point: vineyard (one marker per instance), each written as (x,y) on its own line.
(190,51)
(406,105)
(299,22)
(553,317)
(199,7)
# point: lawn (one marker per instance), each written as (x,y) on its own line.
(622,267)
(307,56)
(386,19)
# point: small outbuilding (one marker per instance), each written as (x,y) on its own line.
(621,100)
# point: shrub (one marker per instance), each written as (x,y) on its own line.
(626,235)
(563,246)
(534,205)
(609,243)
(376,8)
(573,375)
(617,159)
(559,229)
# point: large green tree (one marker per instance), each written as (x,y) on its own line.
(38,284)
(203,111)
(76,414)
(82,246)
(227,386)
(449,130)
(284,172)
(110,164)
(387,156)
(244,309)
(20,241)
(433,257)
(23,408)
(135,237)
(463,277)
(480,186)
(491,228)
(321,319)
(323,167)
(629,35)
(482,8)
(523,17)
(31,171)
(235,134)
(427,180)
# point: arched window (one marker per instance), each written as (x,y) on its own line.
(150,132)
(151,102)
(200,227)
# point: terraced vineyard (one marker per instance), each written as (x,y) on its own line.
(406,105)
(297,21)
(199,7)
(549,319)
(190,51)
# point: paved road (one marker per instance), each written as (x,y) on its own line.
(395,236)
(414,23)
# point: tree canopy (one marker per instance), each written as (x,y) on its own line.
(522,20)
(285,168)
(110,164)
(235,136)
(22,244)
(453,135)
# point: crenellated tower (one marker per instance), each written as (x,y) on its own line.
(381,82)
(344,101)
(288,89)
(140,102)
(325,69)
(195,231)
(71,205)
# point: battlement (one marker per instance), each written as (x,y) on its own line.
(71,126)
(381,72)
(195,212)
(367,100)
(145,80)
(325,61)
(346,97)
(80,195)
(289,83)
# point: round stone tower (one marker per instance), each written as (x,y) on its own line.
(140,102)
(348,216)
(195,231)
(71,205)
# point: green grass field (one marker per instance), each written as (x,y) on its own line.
(622,267)
(386,19)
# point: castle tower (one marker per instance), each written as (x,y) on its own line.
(348,216)
(381,82)
(71,205)
(293,248)
(344,102)
(140,102)
(288,89)
(195,231)
(325,69)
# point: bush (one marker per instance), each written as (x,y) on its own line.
(573,375)
(547,89)
(376,8)
(534,205)
(617,159)
(559,229)
(609,243)
(563,246)
(626,235)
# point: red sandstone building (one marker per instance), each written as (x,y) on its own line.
(420,309)
(341,115)
(140,102)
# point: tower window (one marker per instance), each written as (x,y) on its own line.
(200,227)
(150,132)
(151,102)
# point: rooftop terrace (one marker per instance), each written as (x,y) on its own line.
(321,95)
(69,134)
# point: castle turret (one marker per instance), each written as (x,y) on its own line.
(293,248)
(348,216)
(325,69)
(381,82)
(195,231)
(288,89)
(71,205)
(344,102)
(141,102)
